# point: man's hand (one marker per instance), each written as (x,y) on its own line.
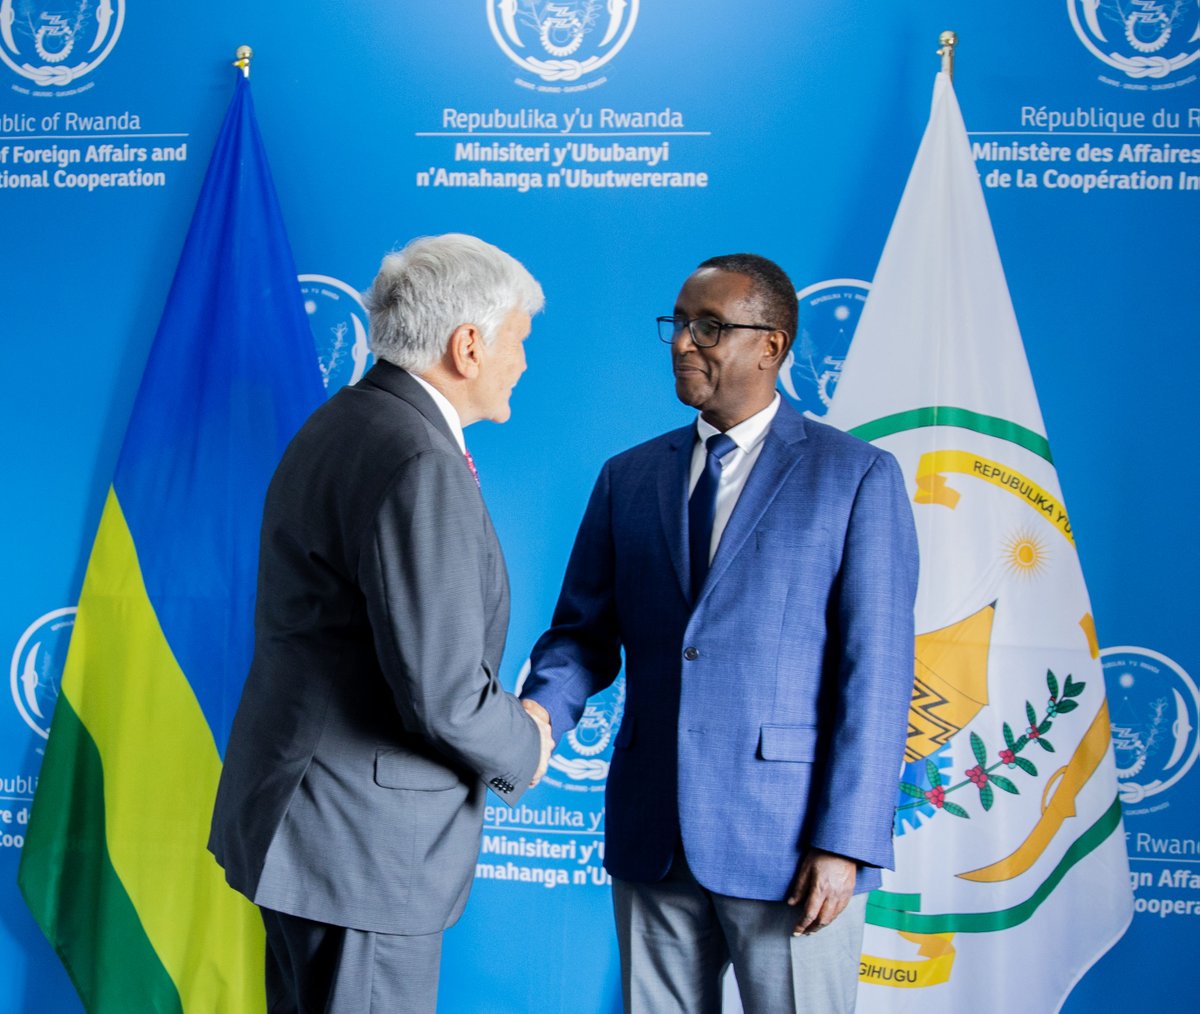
(542,717)
(822,887)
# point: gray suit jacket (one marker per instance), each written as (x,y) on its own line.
(372,720)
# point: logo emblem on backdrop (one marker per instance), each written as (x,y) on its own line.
(829,313)
(37,665)
(1155,713)
(1142,38)
(339,329)
(54,44)
(561,41)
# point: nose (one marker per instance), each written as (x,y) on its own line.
(682,342)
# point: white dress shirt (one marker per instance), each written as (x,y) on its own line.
(737,464)
(449,411)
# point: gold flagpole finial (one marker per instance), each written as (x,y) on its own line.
(948,40)
(244,55)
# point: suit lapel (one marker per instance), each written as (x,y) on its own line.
(672,502)
(399,382)
(394,380)
(781,450)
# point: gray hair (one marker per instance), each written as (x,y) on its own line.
(434,285)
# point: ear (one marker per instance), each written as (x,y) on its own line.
(774,348)
(465,350)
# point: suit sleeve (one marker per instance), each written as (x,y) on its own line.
(423,570)
(580,655)
(855,792)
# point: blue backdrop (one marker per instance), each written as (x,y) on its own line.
(660,134)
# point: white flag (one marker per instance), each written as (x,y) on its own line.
(1011,872)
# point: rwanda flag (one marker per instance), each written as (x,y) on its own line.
(115,867)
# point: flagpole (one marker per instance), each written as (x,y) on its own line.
(244,56)
(948,40)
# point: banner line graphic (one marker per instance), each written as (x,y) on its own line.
(1073,133)
(553,134)
(77,137)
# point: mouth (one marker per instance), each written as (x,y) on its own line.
(684,369)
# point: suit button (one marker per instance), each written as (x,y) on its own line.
(691,654)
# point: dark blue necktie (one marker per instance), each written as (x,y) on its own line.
(703,506)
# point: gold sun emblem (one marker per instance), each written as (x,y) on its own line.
(1025,554)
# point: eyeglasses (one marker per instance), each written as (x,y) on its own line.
(705,331)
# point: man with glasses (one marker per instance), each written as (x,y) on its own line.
(759,570)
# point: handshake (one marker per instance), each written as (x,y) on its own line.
(541,718)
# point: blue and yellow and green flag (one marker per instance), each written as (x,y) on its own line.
(115,867)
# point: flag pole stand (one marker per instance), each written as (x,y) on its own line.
(948,40)
(244,55)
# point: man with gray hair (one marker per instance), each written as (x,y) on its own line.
(372,722)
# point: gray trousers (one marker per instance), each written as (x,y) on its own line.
(315,968)
(676,939)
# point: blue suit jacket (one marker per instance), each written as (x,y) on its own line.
(771,714)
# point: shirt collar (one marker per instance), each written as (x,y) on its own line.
(747,434)
(449,411)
